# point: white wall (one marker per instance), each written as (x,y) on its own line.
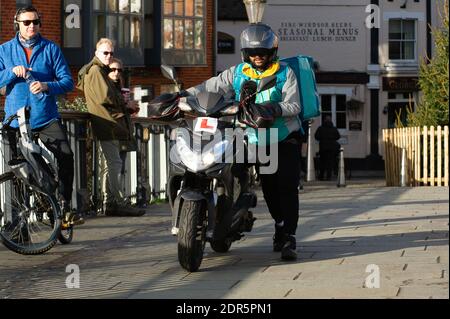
(324,21)
(322,29)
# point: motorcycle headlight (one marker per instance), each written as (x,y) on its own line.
(199,161)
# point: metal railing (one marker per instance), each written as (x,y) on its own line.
(146,169)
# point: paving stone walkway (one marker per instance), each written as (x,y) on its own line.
(346,236)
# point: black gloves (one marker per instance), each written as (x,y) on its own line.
(260,115)
(248,90)
(253,114)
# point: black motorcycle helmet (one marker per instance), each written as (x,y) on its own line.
(259,39)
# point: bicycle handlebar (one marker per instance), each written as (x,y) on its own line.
(7,123)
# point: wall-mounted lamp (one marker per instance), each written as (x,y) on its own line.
(385,110)
(255,10)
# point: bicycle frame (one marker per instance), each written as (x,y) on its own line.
(32,170)
(33,218)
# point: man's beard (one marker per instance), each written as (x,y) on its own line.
(264,67)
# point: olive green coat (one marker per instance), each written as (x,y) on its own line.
(105,102)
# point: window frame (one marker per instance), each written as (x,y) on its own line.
(334,112)
(81,56)
(334,92)
(180,56)
(131,56)
(402,40)
(399,101)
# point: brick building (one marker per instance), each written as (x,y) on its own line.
(147,34)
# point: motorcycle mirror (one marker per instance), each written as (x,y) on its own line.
(168,72)
(267,83)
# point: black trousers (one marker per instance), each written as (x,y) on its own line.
(327,163)
(281,188)
(55,140)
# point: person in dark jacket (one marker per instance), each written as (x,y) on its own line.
(116,68)
(108,111)
(327,135)
(34,72)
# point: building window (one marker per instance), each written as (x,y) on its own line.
(183,41)
(335,106)
(119,20)
(123,22)
(402,39)
(129,23)
(399,104)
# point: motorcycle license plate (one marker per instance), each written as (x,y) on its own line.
(206,124)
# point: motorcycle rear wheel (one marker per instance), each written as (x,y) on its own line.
(221,246)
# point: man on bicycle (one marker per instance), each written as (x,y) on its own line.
(34,71)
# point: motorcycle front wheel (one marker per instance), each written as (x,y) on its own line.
(192,235)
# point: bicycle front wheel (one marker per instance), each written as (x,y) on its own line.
(29,219)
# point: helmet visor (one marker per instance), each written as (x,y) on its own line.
(259,52)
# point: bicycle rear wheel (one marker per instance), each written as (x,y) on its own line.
(29,219)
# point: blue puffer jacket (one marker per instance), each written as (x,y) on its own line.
(48,65)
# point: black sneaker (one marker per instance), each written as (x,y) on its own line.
(288,252)
(279,238)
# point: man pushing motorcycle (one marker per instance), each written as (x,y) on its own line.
(275,108)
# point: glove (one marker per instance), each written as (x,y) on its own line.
(248,89)
(260,115)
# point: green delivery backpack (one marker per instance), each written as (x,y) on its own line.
(302,66)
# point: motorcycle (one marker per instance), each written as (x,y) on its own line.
(209,202)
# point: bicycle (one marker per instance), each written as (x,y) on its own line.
(31,220)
